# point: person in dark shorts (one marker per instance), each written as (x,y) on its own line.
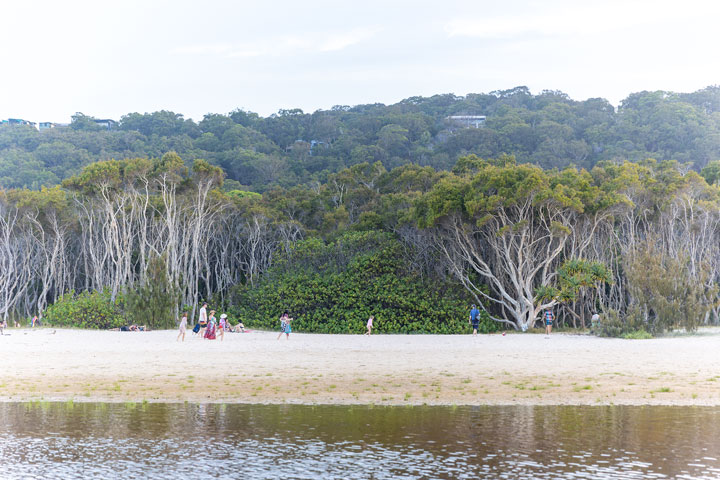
(548,317)
(474,319)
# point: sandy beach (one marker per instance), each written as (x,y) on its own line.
(516,369)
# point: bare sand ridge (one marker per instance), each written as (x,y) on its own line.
(525,369)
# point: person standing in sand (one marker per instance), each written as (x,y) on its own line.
(370,325)
(203,320)
(222,326)
(211,326)
(474,319)
(182,327)
(285,320)
(549,317)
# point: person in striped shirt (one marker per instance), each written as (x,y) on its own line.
(548,321)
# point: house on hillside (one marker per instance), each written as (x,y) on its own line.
(48,125)
(20,121)
(105,123)
(466,121)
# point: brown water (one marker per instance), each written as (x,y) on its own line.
(189,441)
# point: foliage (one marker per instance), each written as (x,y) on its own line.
(154,304)
(335,287)
(292,147)
(86,310)
(665,293)
(612,325)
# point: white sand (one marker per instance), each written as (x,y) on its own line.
(383,369)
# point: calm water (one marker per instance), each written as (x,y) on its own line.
(189,441)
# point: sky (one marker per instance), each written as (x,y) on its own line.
(107,59)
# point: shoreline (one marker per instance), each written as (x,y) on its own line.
(321,369)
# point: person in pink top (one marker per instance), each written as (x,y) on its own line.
(222,325)
(182,327)
(370,325)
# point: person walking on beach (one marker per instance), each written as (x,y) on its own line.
(285,320)
(370,325)
(203,320)
(549,317)
(474,319)
(182,327)
(594,323)
(211,326)
(222,326)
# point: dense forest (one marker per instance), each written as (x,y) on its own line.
(296,148)
(377,210)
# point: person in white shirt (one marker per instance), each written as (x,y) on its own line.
(203,320)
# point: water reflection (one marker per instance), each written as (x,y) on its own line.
(65,440)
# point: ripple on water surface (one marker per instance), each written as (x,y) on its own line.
(190,441)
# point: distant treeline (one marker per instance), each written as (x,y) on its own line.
(412,245)
(296,148)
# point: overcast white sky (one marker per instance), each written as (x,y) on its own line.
(107,59)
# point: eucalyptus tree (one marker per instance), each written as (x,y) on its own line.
(503,229)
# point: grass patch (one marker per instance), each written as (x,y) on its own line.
(636,335)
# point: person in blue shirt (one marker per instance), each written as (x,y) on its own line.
(549,317)
(474,319)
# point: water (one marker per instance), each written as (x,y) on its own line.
(190,441)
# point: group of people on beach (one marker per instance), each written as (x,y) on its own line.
(208,326)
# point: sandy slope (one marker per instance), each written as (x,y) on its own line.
(382,369)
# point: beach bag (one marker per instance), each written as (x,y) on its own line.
(196,328)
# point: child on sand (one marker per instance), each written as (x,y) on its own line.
(285,320)
(183,327)
(370,325)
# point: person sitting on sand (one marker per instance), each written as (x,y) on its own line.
(238,328)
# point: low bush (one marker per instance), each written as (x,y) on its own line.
(335,287)
(86,310)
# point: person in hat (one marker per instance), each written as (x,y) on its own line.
(222,326)
(211,326)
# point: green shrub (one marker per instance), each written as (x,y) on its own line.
(335,287)
(637,335)
(86,310)
(632,326)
